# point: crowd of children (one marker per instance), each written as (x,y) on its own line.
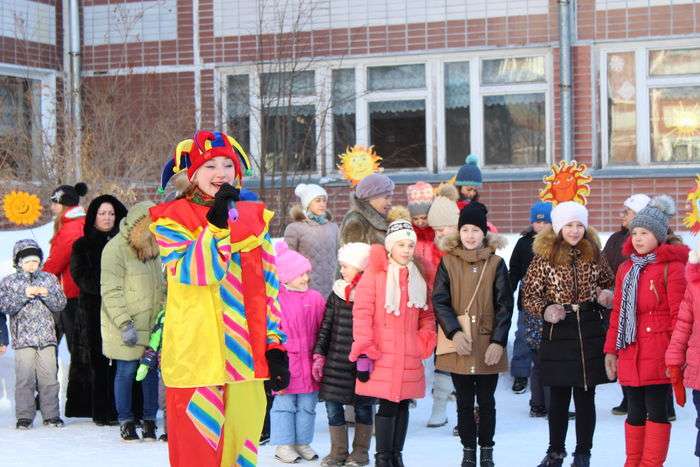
(351,315)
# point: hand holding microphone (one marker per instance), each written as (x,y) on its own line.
(224,207)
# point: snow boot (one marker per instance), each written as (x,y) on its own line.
(164,437)
(469,459)
(128,431)
(656,439)
(23,424)
(581,460)
(486,457)
(148,430)
(519,384)
(55,422)
(306,452)
(360,446)
(553,459)
(538,411)
(400,431)
(442,388)
(287,454)
(634,444)
(384,428)
(622,408)
(339,447)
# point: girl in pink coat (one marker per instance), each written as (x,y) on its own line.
(683,353)
(393,331)
(293,412)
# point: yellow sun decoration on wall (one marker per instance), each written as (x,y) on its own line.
(692,218)
(358,162)
(567,182)
(21,208)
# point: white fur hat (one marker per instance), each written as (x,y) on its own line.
(637,202)
(570,211)
(308,193)
(354,254)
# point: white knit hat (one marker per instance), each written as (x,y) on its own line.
(398,230)
(354,254)
(308,193)
(570,211)
(637,202)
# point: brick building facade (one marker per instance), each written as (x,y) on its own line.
(426,82)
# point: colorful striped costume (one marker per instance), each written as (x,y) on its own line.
(222,315)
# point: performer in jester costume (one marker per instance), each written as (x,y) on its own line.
(221,336)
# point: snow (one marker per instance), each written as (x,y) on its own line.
(520,440)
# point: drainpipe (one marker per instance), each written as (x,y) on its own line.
(567,121)
(76,104)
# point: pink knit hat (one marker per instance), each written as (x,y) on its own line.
(420,196)
(290,264)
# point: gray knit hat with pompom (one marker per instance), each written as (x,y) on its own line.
(655,217)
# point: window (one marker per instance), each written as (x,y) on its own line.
(398,132)
(343,108)
(653,106)
(278,86)
(17,137)
(457,125)
(382,78)
(289,138)
(238,109)
(513,70)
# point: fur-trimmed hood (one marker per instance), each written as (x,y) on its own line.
(451,243)
(296,212)
(363,208)
(135,228)
(589,247)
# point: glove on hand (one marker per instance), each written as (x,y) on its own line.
(365,365)
(218,213)
(129,335)
(317,367)
(278,363)
(676,375)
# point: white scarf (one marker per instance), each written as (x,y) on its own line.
(417,288)
(339,287)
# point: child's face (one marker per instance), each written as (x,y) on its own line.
(30,266)
(643,241)
(318,206)
(214,173)
(348,272)
(472,237)
(444,231)
(104,221)
(468,192)
(299,283)
(402,251)
(420,221)
(56,208)
(539,226)
(573,232)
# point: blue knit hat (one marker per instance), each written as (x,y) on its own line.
(541,211)
(469,174)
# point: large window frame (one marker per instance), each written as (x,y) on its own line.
(644,83)
(433,94)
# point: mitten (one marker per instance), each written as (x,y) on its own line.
(218,213)
(317,367)
(676,376)
(129,335)
(365,365)
(148,360)
(278,363)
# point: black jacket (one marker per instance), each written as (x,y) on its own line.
(613,249)
(520,260)
(334,342)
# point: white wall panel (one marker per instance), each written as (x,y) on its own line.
(150,20)
(27,20)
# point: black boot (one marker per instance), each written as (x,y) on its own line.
(469,459)
(486,457)
(148,430)
(553,459)
(384,428)
(128,431)
(582,460)
(400,436)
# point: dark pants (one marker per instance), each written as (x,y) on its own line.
(123,383)
(696,401)
(270,399)
(392,409)
(584,401)
(336,413)
(65,323)
(521,363)
(539,394)
(483,388)
(647,402)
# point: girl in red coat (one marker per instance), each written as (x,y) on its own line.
(393,331)
(649,288)
(68,227)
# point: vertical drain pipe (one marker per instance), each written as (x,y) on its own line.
(76,102)
(565,72)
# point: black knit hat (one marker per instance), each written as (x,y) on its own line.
(69,195)
(473,213)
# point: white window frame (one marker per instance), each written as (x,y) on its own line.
(643,84)
(433,94)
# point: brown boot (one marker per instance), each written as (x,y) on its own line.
(360,446)
(339,447)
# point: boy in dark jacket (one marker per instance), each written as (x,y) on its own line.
(31,298)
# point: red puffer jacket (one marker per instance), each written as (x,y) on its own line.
(684,349)
(58,262)
(427,253)
(659,294)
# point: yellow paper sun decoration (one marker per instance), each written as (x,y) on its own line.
(692,219)
(567,182)
(22,208)
(358,162)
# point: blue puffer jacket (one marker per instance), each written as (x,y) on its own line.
(31,319)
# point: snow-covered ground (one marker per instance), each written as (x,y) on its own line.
(520,440)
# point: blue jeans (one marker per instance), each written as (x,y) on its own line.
(521,362)
(292,418)
(124,381)
(336,414)
(696,401)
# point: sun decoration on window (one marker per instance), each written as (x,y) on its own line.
(358,162)
(692,218)
(683,121)
(567,182)
(21,208)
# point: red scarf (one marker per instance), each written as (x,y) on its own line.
(351,286)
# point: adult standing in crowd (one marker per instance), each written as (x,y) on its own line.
(567,283)
(91,379)
(313,234)
(132,287)
(369,204)
(69,219)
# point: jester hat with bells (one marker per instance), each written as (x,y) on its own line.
(191,154)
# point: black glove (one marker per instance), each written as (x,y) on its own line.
(218,214)
(278,363)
